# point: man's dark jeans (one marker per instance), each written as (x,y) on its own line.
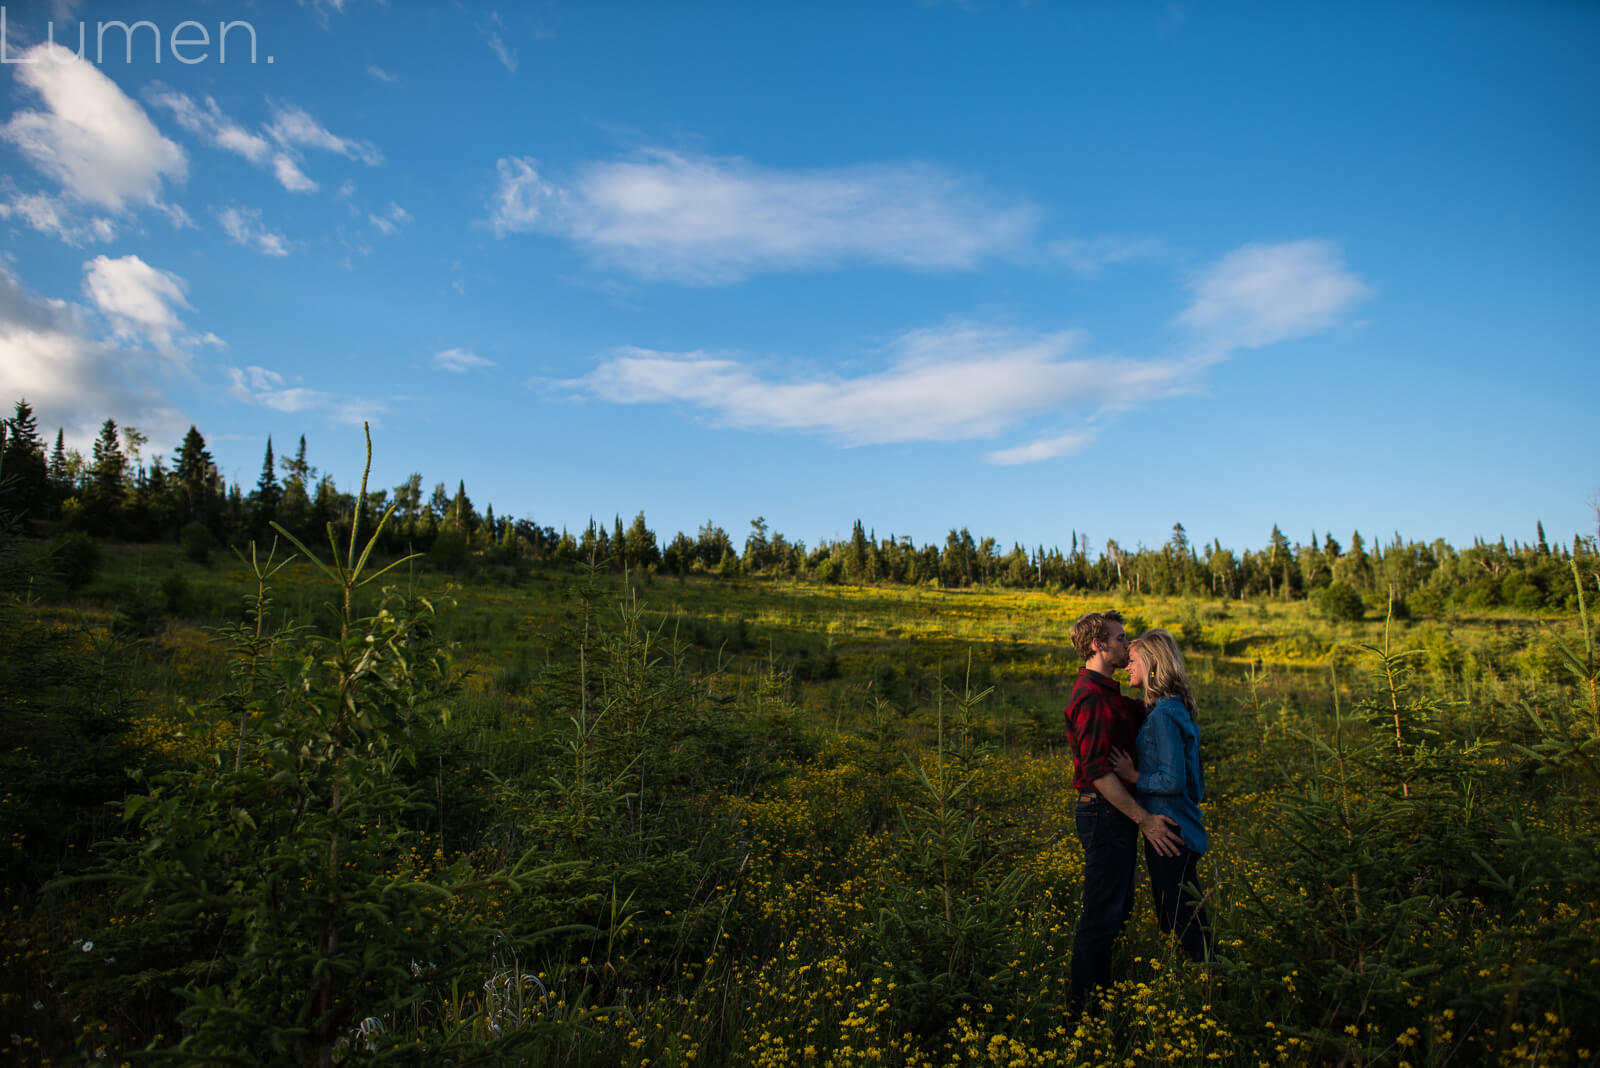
(1110,849)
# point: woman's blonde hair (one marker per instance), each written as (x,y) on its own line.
(1163,667)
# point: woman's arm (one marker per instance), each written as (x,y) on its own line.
(1122,764)
(1162,768)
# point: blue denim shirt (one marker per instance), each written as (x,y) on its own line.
(1171,782)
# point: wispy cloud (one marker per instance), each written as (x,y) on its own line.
(90,138)
(967,381)
(290,176)
(262,387)
(54,216)
(381,74)
(1043,449)
(703,220)
(459,360)
(267,389)
(1261,294)
(293,125)
(207,120)
(244,227)
(951,383)
(1089,255)
(278,146)
(493,32)
(393,217)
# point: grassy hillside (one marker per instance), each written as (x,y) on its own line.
(566,818)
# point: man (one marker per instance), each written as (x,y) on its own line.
(1100,719)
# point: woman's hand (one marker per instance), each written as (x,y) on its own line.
(1122,764)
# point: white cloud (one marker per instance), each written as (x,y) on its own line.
(391,220)
(208,121)
(49,354)
(494,33)
(244,227)
(1043,449)
(459,360)
(140,301)
(267,389)
(291,129)
(1261,294)
(951,383)
(381,74)
(290,176)
(703,220)
(294,126)
(52,215)
(968,381)
(1089,255)
(521,198)
(90,136)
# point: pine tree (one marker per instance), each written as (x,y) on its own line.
(195,474)
(106,488)
(60,477)
(23,463)
(294,507)
(264,501)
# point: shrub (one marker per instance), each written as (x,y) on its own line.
(76,557)
(175,591)
(197,542)
(1341,603)
(449,552)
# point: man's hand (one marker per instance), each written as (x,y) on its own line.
(1159,831)
(1162,834)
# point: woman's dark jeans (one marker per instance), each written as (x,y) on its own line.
(1110,849)
(1175,884)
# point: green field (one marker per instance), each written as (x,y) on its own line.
(563,818)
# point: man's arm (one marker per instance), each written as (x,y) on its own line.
(1160,831)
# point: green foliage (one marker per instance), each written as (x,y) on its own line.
(198,543)
(1191,626)
(75,557)
(550,821)
(1341,602)
(286,896)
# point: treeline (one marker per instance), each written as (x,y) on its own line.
(118,492)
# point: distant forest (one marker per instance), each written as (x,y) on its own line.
(119,492)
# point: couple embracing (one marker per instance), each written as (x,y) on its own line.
(1137,768)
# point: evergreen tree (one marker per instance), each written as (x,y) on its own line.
(106,487)
(264,501)
(756,546)
(294,508)
(27,492)
(60,477)
(408,502)
(1279,558)
(462,515)
(196,478)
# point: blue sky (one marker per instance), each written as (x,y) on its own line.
(1033,269)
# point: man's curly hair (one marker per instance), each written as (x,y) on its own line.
(1090,628)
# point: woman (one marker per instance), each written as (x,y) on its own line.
(1167,779)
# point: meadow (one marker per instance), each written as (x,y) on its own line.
(269,812)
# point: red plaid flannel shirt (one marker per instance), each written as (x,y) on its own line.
(1099,719)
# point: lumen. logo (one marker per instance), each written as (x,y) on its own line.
(188,42)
